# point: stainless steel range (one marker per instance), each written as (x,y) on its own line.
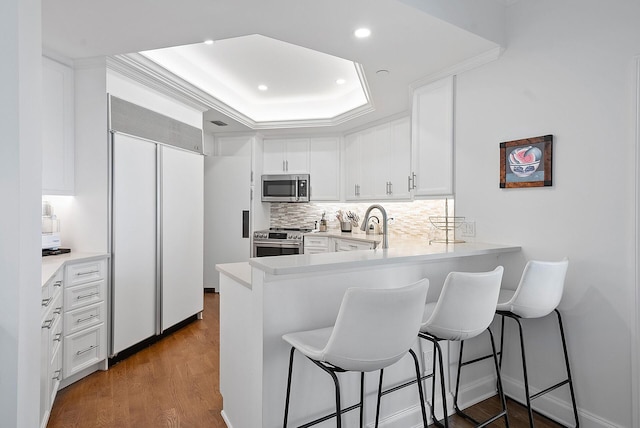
(278,242)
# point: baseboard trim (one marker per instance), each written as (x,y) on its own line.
(226,419)
(548,405)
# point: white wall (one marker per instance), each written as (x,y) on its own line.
(20,188)
(567,71)
(85,227)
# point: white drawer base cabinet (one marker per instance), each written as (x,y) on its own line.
(74,319)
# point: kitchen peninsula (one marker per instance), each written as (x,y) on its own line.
(267,297)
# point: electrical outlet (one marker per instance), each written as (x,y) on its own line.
(427,360)
(468,228)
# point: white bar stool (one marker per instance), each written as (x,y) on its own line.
(538,294)
(374,329)
(465,309)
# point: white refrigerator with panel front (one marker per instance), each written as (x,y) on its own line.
(157,239)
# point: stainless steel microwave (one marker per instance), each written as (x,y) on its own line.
(285,188)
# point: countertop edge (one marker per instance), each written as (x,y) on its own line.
(361,237)
(378,257)
(240,272)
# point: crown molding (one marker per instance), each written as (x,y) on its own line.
(146,72)
(461,67)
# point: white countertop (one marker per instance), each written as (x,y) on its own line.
(356,234)
(403,252)
(51,264)
(241,272)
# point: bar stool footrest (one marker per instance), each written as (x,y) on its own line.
(329,416)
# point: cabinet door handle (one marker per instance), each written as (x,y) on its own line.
(57,375)
(45,302)
(87,272)
(89,318)
(84,351)
(57,284)
(48,323)
(86,296)
(58,310)
(287,163)
(411,182)
(390,188)
(58,337)
(284,169)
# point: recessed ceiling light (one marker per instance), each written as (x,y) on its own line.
(262,87)
(340,82)
(208,42)
(362,32)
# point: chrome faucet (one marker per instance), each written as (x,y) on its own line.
(385,239)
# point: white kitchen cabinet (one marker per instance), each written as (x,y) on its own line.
(286,156)
(363,153)
(399,159)
(432,139)
(378,162)
(85,316)
(57,128)
(324,168)
(346,244)
(50,344)
(316,244)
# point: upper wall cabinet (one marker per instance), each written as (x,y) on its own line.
(285,156)
(324,168)
(432,139)
(57,129)
(378,162)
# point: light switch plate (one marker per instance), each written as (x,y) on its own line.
(468,229)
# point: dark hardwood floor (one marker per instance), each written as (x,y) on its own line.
(174,383)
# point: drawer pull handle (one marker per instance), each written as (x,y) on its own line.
(58,337)
(58,310)
(45,302)
(89,272)
(57,284)
(90,348)
(48,323)
(89,318)
(87,296)
(57,375)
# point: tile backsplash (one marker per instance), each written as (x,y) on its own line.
(406,219)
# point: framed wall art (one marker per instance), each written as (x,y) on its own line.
(526,162)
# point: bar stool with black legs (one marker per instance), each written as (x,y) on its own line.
(374,329)
(537,295)
(465,309)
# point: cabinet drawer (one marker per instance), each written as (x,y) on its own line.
(83,295)
(316,241)
(344,245)
(84,349)
(56,337)
(80,273)
(53,313)
(315,250)
(84,317)
(51,289)
(55,374)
